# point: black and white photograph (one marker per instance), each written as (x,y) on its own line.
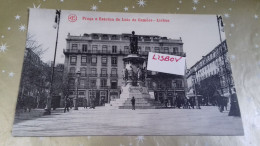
(100,73)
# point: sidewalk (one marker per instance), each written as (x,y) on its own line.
(104,121)
(35,113)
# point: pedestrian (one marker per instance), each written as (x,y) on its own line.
(234,109)
(67,105)
(92,103)
(84,102)
(133,103)
(165,102)
(225,102)
(178,101)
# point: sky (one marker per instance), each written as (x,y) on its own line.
(199,33)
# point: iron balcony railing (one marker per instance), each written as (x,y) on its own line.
(103,75)
(108,52)
(92,75)
(113,75)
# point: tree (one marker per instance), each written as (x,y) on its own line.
(35,76)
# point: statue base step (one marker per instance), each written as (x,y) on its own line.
(143,99)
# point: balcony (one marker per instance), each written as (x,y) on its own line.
(104,64)
(93,87)
(71,74)
(147,39)
(103,75)
(115,87)
(103,87)
(145,53)
(73,63)
(83,64)
(114,65)
(93,64)
(82,87)
(92,75)
(83,74)
(113,75)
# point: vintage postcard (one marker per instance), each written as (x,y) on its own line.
(101,73)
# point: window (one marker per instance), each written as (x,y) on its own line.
(74,46)
(93,83)
(71,82)
(105,37)
(156,49)
(104,49)
(139,49)
(178,83)
(126,49)
(103,82)
(147,49)
(73,60)
(83,71)
(166,50)
(82,82)
(161,50)
(103,71)
(104,60)
(72,70)
(93,71)
(83,60)
(114,49)
(84,48)
(114,37)
(93,60)
(95,36)
(126,37)
(113,71)
(114,61)
(175,50)
(94,48)
(169,84)
(113,84)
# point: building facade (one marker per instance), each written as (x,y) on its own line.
(95,61)
(211,74)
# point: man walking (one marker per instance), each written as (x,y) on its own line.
(133,103)
(67,105)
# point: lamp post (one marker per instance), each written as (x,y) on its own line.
(77,85)
(49,96)
(195,92)
(174,94)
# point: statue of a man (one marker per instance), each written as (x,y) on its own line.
(134,43)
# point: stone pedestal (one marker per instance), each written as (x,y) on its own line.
(134,77)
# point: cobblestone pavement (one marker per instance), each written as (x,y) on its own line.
(105,121)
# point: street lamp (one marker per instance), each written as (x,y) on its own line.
(77,84)
(196,97)
(174,94)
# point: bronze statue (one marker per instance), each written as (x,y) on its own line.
(134,43)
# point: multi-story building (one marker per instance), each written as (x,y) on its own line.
(211,73)
(98,60)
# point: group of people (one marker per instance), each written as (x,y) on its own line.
(222,103)
(69,103)
(179,102)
